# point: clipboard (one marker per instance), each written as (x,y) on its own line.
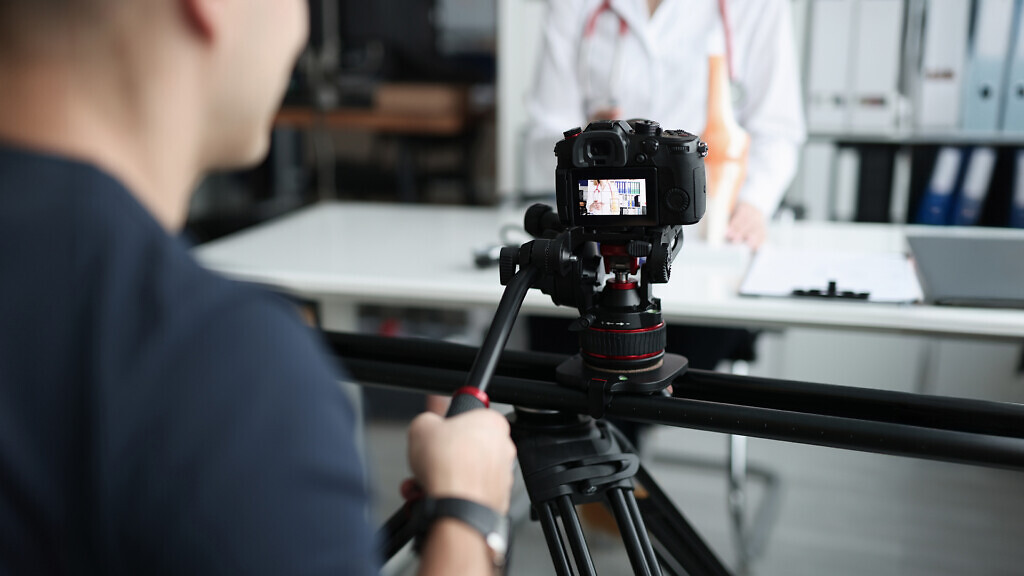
(835,275)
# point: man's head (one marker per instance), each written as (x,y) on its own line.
(221,64)
(251,48)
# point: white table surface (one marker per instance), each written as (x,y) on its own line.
(362,253)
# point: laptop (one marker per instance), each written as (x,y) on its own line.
(970,271)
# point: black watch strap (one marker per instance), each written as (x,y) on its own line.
(492,525)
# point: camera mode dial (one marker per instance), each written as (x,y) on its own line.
(646,127)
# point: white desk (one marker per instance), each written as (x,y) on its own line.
(346,254)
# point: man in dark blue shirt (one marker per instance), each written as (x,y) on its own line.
(155,418)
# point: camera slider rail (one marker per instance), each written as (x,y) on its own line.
(965,431)
(896,423)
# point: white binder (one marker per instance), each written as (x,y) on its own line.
(844,207)
(815,180)
(899,202)
(876,56)
(986,67)
(828,69)
(1013,107)
(944,54)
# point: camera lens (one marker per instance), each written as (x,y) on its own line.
(599,148)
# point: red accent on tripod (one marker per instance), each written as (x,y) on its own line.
(474,392)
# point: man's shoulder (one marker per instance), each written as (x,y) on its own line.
(69,212)
(86,246)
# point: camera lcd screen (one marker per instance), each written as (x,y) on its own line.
(612,197)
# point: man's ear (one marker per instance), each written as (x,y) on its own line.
(205,16)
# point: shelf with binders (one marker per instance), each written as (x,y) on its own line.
(942,182)
(965,186)
(915,111)
(915,71)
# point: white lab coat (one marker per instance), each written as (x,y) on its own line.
(664,75)
(605,196)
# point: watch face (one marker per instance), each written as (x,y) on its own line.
(498,543)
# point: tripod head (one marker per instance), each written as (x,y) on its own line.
(607,274)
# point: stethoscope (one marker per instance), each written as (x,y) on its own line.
(623,29)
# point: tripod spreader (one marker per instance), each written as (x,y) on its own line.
(564,454)
(569,459)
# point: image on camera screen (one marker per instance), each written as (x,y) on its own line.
(613,197)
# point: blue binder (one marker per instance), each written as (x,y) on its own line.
(1017,200)
(937,201)
(974,186)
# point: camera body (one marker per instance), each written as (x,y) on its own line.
(630,173)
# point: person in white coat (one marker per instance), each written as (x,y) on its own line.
(602,199)
(621,59)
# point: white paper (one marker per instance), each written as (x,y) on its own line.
(887,277)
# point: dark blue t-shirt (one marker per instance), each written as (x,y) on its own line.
(154,417)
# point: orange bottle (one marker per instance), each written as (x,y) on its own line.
(728,149)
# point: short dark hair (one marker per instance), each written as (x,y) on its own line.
(21,20)
(18,7)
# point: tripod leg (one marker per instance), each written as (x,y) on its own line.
(574,532)
(634,534)
(554,539)
(677,538)
(645,542)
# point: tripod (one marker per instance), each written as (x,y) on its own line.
(569,456)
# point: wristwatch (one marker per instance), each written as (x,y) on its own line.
(494,527)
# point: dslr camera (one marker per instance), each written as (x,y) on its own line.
(630,173)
